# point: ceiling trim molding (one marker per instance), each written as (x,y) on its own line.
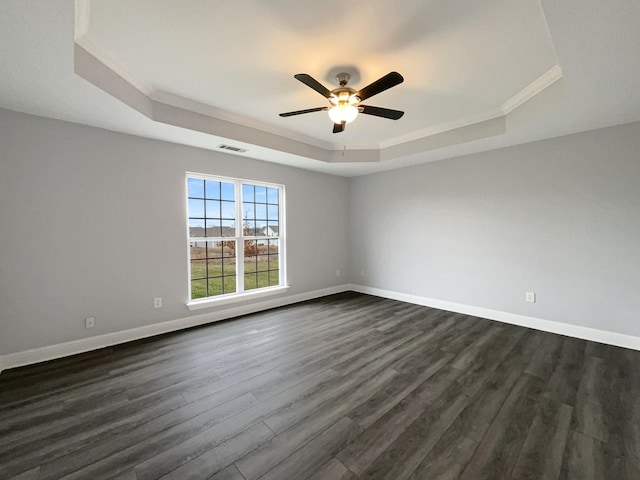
(541,83)
(82,18)
(108,61)
(178,101)
(161,96)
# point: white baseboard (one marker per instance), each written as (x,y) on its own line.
(51,352)
(577,331)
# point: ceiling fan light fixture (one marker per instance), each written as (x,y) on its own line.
(343,113)
(345,101)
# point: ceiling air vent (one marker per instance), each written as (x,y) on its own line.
(222,146)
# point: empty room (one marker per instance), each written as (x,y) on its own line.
(332,240)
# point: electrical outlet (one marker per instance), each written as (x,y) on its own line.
(337,273)
(530,297)
(362,273)
(157,302)
(89,322)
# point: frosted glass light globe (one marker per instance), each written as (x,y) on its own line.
(343,113)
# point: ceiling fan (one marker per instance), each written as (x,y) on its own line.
(345,101)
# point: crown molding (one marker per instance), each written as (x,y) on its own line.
(537,86)
(534,88)
(179,101)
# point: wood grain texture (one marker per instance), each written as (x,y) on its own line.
(344,387)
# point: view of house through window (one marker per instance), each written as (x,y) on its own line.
(235,238)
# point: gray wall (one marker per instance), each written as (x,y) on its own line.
(559,217)
(92,223)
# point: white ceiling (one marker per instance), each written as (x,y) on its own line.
(479,74)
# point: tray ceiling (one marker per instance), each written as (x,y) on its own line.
(478,74)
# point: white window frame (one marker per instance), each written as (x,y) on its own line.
(240,294)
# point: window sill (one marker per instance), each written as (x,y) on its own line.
(235,298)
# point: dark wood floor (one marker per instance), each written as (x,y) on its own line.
(344,387)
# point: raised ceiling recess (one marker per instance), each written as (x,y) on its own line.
(227,68)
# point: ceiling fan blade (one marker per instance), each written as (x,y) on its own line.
(311,82)
(389,80)
(382,112)
(338,127)
(300,112)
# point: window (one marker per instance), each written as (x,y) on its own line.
(235,237)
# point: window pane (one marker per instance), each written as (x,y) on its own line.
(261,227)
(198,288)
(261,194)
(263,279)
(248,211)
(214,249)
(262,263)
(250,281)
(229,248)
(261,211)
(250,263)
(213,228)
(274,277)
(247,193)
(273,246)
(228,191)
(196,227)
(196,208)
(228,266)
(228,228)
(249,228)
(272,212)
(274,229)
(212,189)
(212,208)
(214,267)
(250,247)
(197,251)
(273,262)
(215,286)
(198,269)
(229,210)
(195,187)
(229,284)
(272,195)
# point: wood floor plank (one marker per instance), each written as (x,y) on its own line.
(497,453)
(333,470)
(411,447)
(28,475)
(207,463)
(584,459)
(229,473)
(543,450)
(405,454)
(304,462)
(283,445)
(546,357)
(359,454)
(565,379)
(448,457)
(132,446)
(593,399)
(49,448)
(405,382)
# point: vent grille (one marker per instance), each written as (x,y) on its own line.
(222,146)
